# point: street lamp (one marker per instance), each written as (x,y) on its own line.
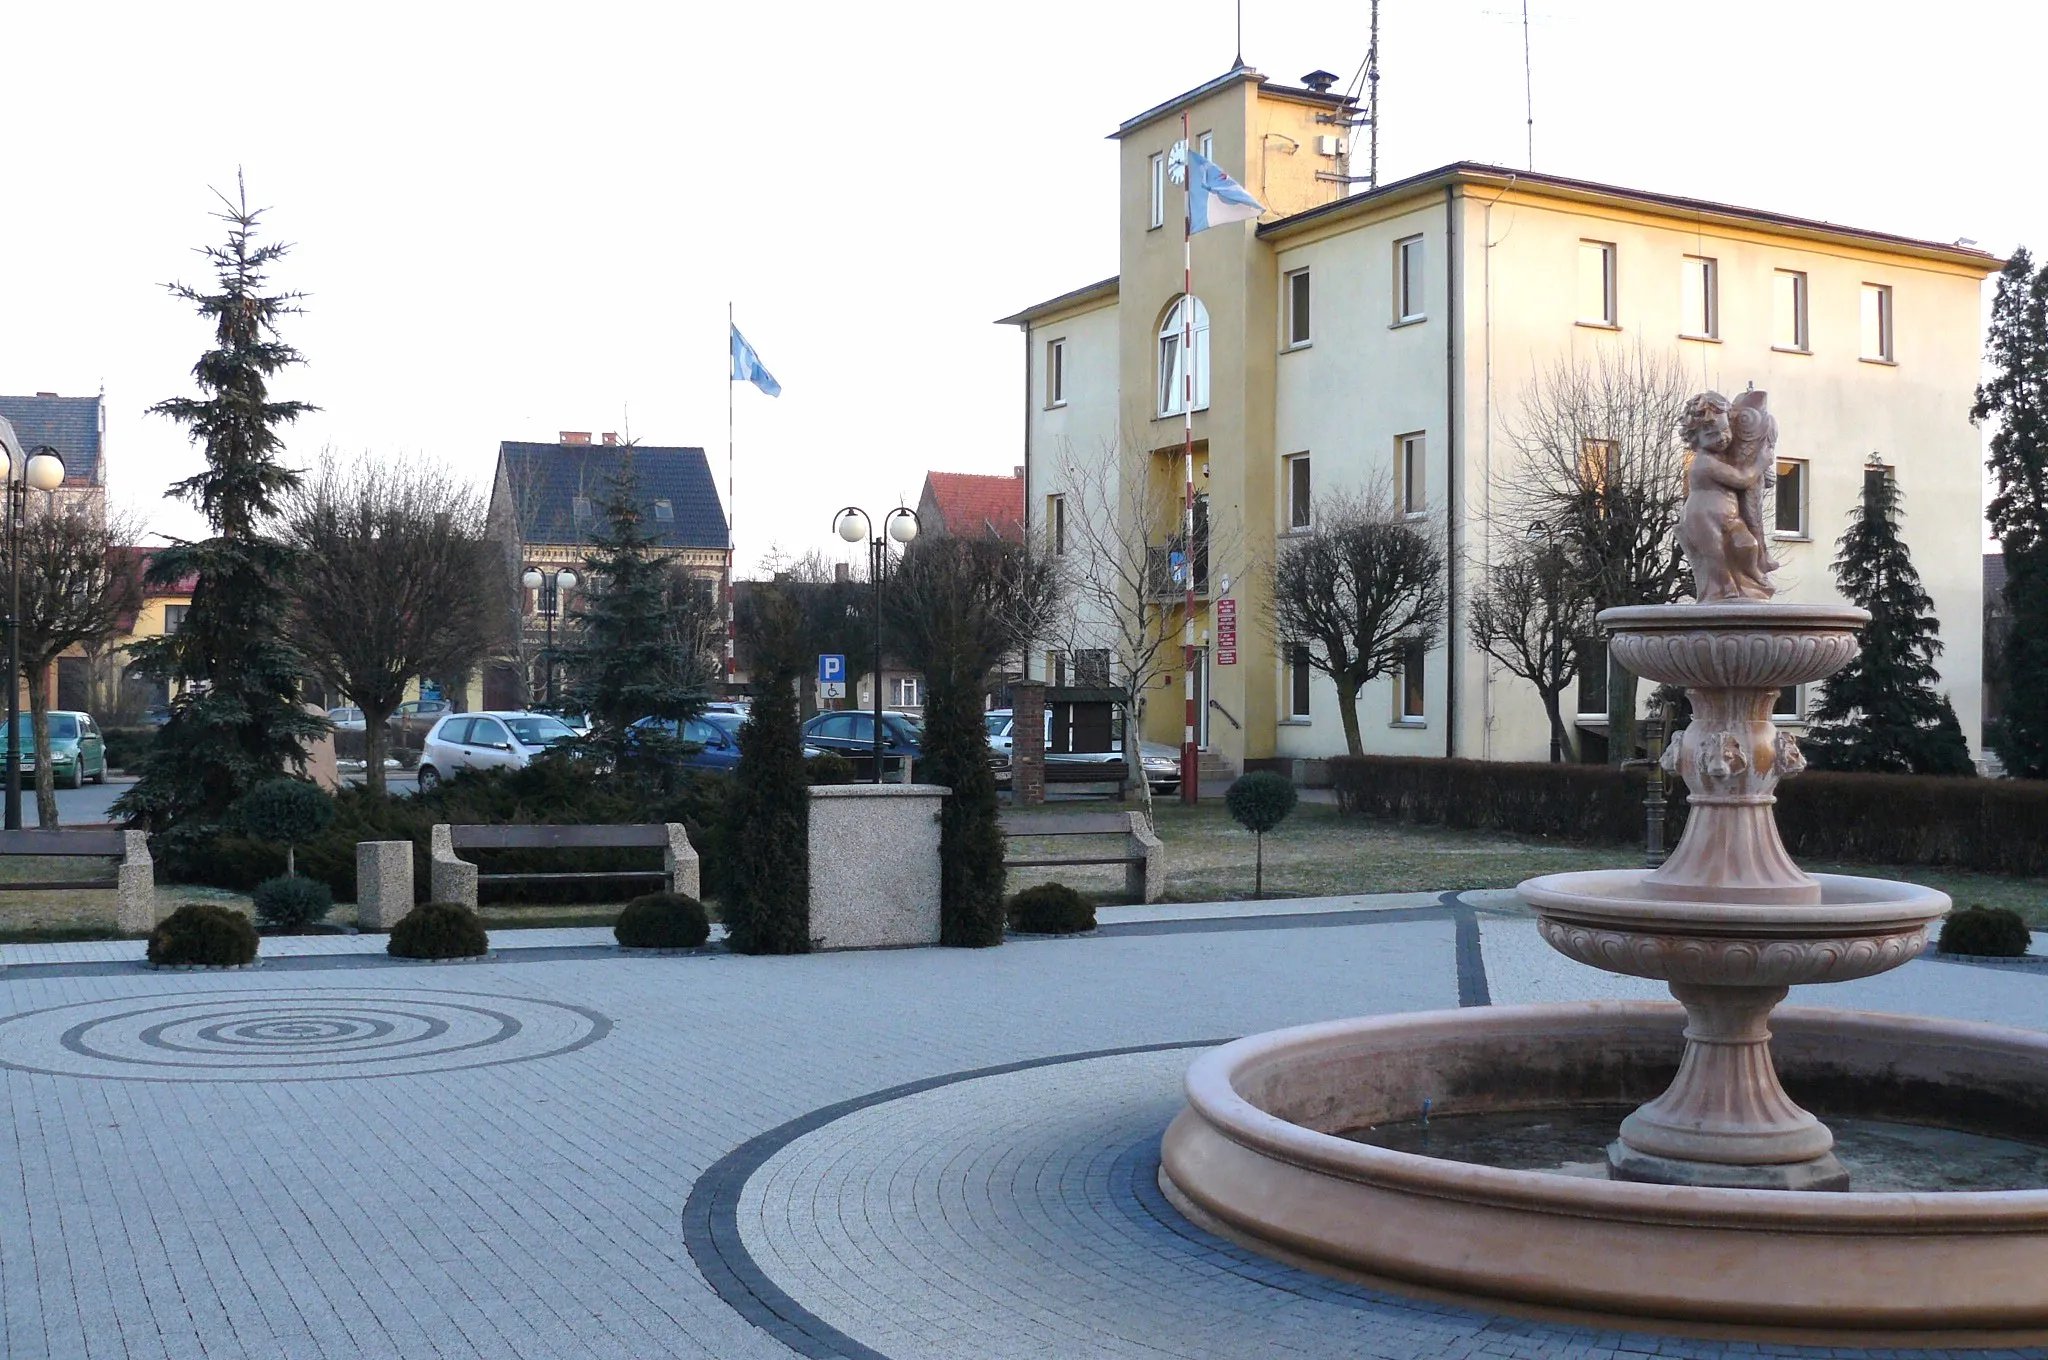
(548,587)
(901,525)
(43,470)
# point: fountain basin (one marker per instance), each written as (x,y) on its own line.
(1257,1154)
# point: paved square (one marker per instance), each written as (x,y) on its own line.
(913,1153)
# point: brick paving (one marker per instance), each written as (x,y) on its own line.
(504,1159)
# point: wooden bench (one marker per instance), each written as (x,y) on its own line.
(133,881)
(1139,851)
(455,880)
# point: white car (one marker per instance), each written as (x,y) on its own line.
(346,719)
(492,740)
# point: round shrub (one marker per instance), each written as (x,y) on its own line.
(438,930)
(203,933)
(663,921)
(1051,909)
(292,903)
(829,767)
(1998,931)
(1261,800)
(285,809)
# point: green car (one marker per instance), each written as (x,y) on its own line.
(77,750)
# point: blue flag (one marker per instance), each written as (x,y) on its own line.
(1214,197)
(747,366)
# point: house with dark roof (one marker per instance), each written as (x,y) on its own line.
(74,427)
(972,505)
(547,503)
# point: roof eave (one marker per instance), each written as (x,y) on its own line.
(1094,292)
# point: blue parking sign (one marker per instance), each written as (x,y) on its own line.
(831,669)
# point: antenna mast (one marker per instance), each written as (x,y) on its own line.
(1372,102)
(1528,89)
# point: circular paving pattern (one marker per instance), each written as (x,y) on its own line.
(305,1034)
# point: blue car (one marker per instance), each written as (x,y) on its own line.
(707,743)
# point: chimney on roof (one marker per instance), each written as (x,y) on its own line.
(46,394)
(1320,81)
(1018,472)
(611,438)
(575,436)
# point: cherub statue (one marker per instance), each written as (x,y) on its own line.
(1734,461)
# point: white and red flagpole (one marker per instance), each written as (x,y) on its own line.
(1190,759)
(731,627)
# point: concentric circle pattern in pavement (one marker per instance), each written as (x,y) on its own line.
(301,1034)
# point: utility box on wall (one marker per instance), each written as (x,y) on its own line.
(875,865)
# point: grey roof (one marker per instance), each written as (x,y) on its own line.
(70,425)
(545,481)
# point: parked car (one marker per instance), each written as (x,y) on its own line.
(77,750)
(1162,763)
(495,740)
(418,714)
(706,745)
(853,736)
(346,719)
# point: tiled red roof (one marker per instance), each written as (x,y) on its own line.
(972,505)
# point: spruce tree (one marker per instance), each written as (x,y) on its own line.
(237,718)
(2016,397)
(766,902)
(1880,713)
(640,645)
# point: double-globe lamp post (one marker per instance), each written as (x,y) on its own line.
(44,471)
(901,525)
(548,588)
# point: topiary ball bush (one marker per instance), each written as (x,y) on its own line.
(438,930)
(285,809)
(292,903)
(1051,909)
(829,767)
(663,921)
(1261,800)
(201,933)
(1997,931)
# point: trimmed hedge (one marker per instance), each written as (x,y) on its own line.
(1997,826)
(1997,931)
(438,930)
(1051,909)
(201,933)
(292,903)
(662,921)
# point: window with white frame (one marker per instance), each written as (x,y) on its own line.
(1412,465)
(1592,687)
(1206,144)
(1300,505)
(1877,323)
(1409,702)
(1788,311)
(1596,283)
(1056,525)
(1408,280)
(1790,705)
(1299,674)
(1158,218)
(1791,498)
(904,692)
(1298,332)
(1056,373)
(1185,317)
(1700,298)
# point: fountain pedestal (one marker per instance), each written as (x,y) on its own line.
(1729,921)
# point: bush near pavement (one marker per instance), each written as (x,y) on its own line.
(1995,931)
(438,930)
(1989,825)
(291,903)
(662,921)
(202,933)
(1051,909)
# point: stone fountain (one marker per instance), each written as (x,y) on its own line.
(1707,1213)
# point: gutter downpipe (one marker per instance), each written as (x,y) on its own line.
(1486,670)
(1028,471)
(1453,639)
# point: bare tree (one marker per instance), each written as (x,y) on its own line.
(1359,590)
(1602,473)
(1529,614)
(1115,547)
(77,589)
(395,581)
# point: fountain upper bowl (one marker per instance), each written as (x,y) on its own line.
(1743,644)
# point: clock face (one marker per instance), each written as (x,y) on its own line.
(1177,163)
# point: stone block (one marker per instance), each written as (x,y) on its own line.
(1144,881)
(680,860)
(875,865)
(383,883)
(135,911)
(449,879)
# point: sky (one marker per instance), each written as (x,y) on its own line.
(514,220)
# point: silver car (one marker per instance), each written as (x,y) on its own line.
(495,740)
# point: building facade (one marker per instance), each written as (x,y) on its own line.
(1386,343)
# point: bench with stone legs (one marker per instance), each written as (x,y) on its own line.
(454,879)
(1138,850)
(133,881)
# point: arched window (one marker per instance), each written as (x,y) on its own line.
(1172,362)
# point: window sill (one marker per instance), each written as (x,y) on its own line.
(1300,721)
(1703,339)
(1598,325)
(1780,536)
(1297,530)
(1055,405)
(1415,514)
(1290,349)
(1400,322)
(1790,349)
(1156,226)
(1881,363)
(1176,415)
(1411,724)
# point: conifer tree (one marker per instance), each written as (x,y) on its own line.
(1880,713)
(2016,397)
(766,902)
(641,642)
(236,718)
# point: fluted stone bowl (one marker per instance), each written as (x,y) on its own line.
(1748,645)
